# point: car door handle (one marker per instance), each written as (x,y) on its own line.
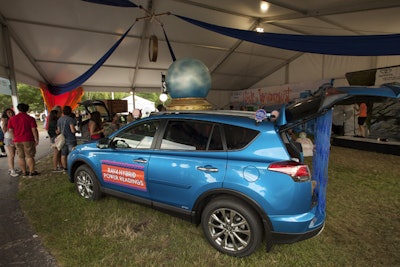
(140,160)
(207,169)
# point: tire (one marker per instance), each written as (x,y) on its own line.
(86,183)
(232,227)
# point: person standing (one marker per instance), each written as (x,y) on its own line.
(161,108)
(130,117)
(306,144)
(59,110)
(114,125)
(66,126)
(95,126)
(52,132)
(78,117)
(137,114)
(26,138)
(8,141)
(3,150)
(362,116)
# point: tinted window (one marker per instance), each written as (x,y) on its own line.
(238,137)
(294,148)
(215,140)
(191,135)
(138,136)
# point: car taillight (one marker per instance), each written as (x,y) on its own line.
(298,171)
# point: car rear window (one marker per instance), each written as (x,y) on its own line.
(238,137)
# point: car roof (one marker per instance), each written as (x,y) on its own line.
(238,113)
(233,117)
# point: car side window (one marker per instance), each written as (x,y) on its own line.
(138,136)
(215,140)
(238,137)
(191,135)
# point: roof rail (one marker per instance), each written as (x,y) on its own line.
(240,113)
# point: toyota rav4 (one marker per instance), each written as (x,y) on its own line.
(237,174)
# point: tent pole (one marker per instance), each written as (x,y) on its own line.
(11,68)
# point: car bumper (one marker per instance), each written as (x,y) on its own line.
(287,238)
(292,228)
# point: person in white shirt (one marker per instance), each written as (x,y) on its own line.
(8,142)
(306,144)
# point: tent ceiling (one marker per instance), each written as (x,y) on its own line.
(55,41)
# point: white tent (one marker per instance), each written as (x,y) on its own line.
(55,41)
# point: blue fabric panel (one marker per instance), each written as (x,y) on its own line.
(321,157)
(369,45)
(63,88)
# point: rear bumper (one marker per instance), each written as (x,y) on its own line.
(287,238)
(297,227)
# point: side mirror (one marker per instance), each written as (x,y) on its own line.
(104,143)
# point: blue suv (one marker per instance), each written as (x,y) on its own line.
(237,174)
(222,170)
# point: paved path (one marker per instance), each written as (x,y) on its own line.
(19,245)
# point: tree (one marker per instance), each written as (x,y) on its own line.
(26,94)
(5,102)
(31,96)
(103,95)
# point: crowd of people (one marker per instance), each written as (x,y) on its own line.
(19,136)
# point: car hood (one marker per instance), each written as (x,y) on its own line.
(326,97)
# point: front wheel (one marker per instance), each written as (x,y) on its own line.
(232,227)
(86,183)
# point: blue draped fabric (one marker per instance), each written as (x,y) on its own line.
(321,157)
(120,3)
(369,45)
(169,46)
(63,88)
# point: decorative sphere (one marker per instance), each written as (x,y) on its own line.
(188,77)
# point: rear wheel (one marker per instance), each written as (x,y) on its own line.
(232,227)
(86,183)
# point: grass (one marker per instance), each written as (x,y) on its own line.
(362,225)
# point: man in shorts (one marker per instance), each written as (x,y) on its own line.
(66,126)
(26,138)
